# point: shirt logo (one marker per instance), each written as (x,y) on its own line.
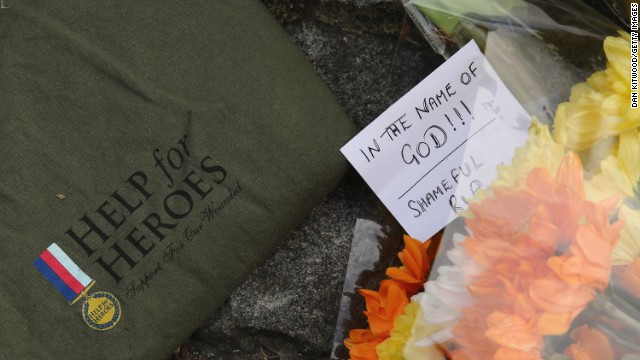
(100,310)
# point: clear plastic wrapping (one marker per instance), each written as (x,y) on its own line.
(539,48)
(545,261)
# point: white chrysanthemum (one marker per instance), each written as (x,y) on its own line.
(443,299)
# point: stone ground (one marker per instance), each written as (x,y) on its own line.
(370,55)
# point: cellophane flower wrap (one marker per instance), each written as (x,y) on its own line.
(545,261)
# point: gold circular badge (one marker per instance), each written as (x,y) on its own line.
(101,311)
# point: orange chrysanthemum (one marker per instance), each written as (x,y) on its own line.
(590,344)
(546,252)
(629,276)
(383,306)
(468,335)
(389,302)
(362,344)
(412,274)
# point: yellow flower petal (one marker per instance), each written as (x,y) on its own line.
(628,247)
(392,347)
(619,172)
(421,330)
(599,108)
(540,150)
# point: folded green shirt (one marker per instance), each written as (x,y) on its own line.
(152,155)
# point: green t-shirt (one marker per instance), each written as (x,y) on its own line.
(152,155)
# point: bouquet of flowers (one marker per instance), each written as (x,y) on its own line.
(547,264)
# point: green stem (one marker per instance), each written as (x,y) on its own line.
(604,302)
(613,336)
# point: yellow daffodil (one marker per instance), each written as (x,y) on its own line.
(599,108)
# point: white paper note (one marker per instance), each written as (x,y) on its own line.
(433,148)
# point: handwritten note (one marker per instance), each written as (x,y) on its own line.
(434,148)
